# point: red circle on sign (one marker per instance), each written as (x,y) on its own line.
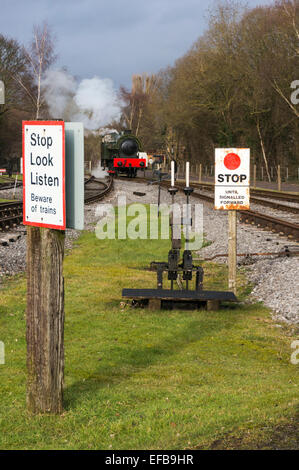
(232,161)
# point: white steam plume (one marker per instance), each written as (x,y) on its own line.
(92,101)
(99,172)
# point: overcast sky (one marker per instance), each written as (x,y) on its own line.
(112,38)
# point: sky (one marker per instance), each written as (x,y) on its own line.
(112,38)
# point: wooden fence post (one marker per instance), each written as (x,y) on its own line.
(232,250)
(278,178)
(200,173)
(254,176)
(45,320)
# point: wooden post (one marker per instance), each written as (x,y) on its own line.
(232,250)
(278,178)
(90,166)
(254,176)
(45,320)
(200,173)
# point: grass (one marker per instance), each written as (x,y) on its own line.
(139,379)
(4,178)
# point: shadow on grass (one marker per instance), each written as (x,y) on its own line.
(131,361)
(284,436)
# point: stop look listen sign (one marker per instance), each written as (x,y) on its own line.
(232,178)
(44,174)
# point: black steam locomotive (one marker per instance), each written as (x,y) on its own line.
(120,154)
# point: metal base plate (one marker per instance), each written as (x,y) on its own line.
(164,294)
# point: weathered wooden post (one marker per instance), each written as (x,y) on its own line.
(53,180)
(200,173)
(45,215)
(45,320)
(278,178)
(232,186)
(232,250)
(254,176)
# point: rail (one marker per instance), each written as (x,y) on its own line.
(11,213)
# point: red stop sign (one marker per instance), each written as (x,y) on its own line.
(232,161)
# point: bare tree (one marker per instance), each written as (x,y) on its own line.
(39,56)
(291,11)
(136,100)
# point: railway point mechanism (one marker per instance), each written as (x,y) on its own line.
(183,272)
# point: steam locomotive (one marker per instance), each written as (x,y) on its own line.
(120,153)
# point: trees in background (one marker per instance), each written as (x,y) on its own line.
(232,88)
(22,69)
(39,57)
(12,62)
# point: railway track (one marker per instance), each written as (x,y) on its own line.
(11,213)
(265,221)
(95,189)
(10,184)
(281,226)
(260,196)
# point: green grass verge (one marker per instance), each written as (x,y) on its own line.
(139,379)
(5,178)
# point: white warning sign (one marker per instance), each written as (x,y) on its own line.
(232,179)
(44,174)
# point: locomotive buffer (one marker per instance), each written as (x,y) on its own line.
(181,272)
